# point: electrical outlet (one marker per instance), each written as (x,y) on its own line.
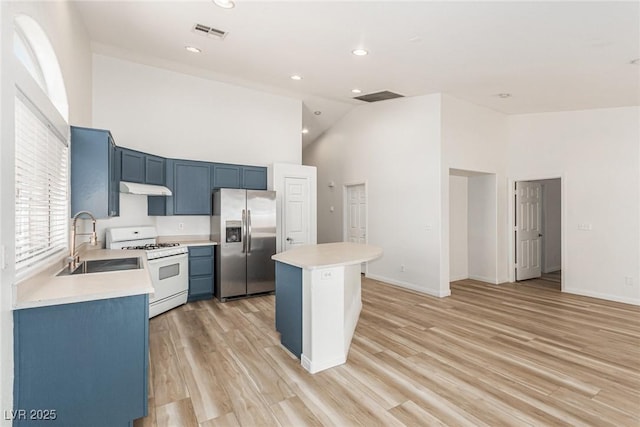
(628,280)
(584,226)
(402,268)
(181,226)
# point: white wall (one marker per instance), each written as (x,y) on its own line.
(182,116)
(483,228)
(474,138)
(596,152)
(69,39)
(458,234)
(394,146)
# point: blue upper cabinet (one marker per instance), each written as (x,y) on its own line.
(192,188)
(237,176)
(132,165)
(141,167)
(254,178)
(191,183)
(226,176)
(154,170)
(94,173)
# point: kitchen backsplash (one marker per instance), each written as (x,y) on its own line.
(133,211)
(181,225)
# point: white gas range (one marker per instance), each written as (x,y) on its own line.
(168,264)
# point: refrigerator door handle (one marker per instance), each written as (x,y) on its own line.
(249,231)
(244,231)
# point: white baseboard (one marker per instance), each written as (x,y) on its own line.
(315,367)
(608,297)
(410,286)
(552,269)
(484,279)
(456,278)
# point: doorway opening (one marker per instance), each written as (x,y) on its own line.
(473,226)
(537,232)
(355,216)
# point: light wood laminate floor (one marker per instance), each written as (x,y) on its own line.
(512,354)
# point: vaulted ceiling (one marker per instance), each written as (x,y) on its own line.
(548,56)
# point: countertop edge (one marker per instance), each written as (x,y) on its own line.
(82,298)
(286,257)
(46,289)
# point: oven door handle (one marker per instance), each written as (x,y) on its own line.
(172,258)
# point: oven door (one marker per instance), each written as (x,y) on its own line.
(169,275)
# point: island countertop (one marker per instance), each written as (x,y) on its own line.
(327,255)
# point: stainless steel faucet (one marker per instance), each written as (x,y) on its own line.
(74,259)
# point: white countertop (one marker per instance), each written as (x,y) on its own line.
(187,240)
(326,255)
(45,288)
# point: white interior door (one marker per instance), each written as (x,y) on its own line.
(296,219)
(528,230)
(356,218)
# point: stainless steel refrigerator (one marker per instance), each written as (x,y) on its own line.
(244,226)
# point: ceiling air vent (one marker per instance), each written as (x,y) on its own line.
(378,96)
(207,31)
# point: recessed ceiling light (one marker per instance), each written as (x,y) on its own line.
(305,131)
(226,4)
(193,49)
(359,52)
(635,61)
(296,77)
(356,91)
(504,95)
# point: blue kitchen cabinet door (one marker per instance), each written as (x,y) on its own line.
(94,173)
(163,205)
(254,178)
(192,188)
(87,361)
(289,307)
(201,272)
(226,176)
(132,165)
(154,170)
(141,167)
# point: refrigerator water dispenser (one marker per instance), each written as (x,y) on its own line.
(233,231)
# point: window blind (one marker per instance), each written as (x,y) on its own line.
(41,177)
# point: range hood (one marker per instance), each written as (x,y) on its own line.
(144,189)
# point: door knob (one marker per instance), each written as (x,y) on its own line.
(289,239)
(539,235)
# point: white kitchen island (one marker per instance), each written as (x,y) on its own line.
(318,300)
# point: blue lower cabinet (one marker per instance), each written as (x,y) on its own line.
(289,307)
(201,272)
(82,364)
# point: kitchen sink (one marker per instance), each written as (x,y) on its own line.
(103,265)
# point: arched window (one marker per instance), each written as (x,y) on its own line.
(41,149)
(33,49)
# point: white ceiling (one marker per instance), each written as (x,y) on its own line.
(550,56)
